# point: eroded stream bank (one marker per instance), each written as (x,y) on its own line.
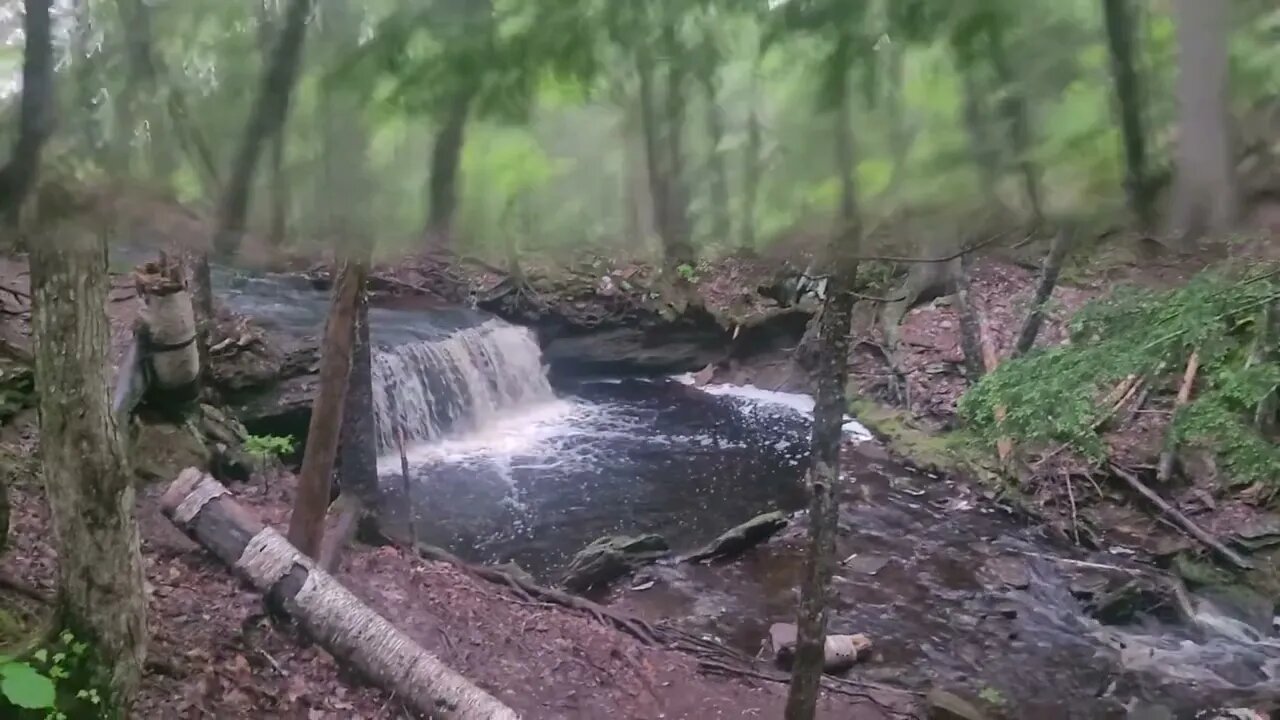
(955,591)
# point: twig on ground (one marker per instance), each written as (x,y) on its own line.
(1183,521)
(1071,497)
(1164,470)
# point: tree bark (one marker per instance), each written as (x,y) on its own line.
(829,407)
(279,193)
(1118,16)
(679,248)
(718,175)
(87,479)
(170,345)
(1058,251)
(266,119)
(1018,115)
(752,168)
(655,164)
(350,630)
(306,524)
(358,453)
(970,323)
(986,158)
(1204,197)
(36,110)
(446,160)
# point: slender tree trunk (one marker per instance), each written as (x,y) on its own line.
(655,164)
(986,158)
(679,249)
(306,525)
(1044,290)
(1118,15)
(86,85)
(970,323)
(824,469)
(266,119)
(36,110)
(900,134)
(87,478)
(1018,116)
(279,193)
(752,167)
(718,175)
(446,160)
(1204,198)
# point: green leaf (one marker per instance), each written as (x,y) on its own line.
(23,686)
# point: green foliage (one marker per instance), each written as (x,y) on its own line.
(269,447)
(23,686)
(1051,395)
(687,272)
(55,683)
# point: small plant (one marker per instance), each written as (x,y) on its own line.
(55,683)
(992,697)
(268,447)
(687,272)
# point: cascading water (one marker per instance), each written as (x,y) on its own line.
(430,388)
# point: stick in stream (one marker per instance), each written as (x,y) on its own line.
(1182,521)
(404,476)
(1164,470)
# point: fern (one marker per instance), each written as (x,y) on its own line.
(1051,395)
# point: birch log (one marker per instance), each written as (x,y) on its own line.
(203,509)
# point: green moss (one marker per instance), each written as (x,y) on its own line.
(935,450)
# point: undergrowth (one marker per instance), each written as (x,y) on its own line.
(1051,396)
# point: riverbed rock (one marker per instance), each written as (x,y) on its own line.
(1010,571)
(609,558)
(944,705)
(1123,604)
(840,652)
(739,539)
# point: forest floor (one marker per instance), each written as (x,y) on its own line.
(216,653)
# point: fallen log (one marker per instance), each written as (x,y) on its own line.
(1183,521)
(351,631)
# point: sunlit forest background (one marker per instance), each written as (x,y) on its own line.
(962,112)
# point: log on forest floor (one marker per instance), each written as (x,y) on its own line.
(351,631)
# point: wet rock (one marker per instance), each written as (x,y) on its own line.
(17,387)
(1148,712)
(742,538)
(840,652)
(1242,604)
(1010,571)
(160,450)
(1138,596)
(609,558)
(945,705)
(1256,533)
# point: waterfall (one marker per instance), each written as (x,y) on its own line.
(434,387)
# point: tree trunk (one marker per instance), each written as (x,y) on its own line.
(828,419)
(1018,116)
(900,134)
(1044,290)
(36,110)
(306,525)
(679,249)
(350,630)
(655,164)
(752,168)
(170,343)
(718,175)
(1204,197)
(279,193)
(86,86)
(1118,15)
(446,159)
(358,453)
(970,323)
(91,499)
(266,119)
(986,158)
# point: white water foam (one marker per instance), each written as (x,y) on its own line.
(761,400)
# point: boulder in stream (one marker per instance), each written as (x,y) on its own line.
(840,652)
(742,538)
(610,557)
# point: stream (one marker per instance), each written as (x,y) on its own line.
(954,590)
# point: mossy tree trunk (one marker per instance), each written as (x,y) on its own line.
(35,109)
(91,499)
(1118,16)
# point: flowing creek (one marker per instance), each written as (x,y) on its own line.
(953,589)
